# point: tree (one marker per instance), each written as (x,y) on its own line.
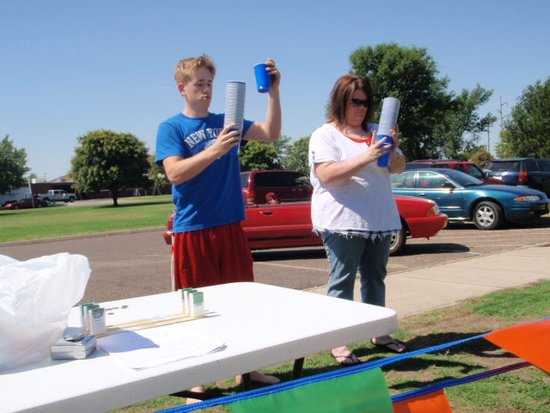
(528,132)
(281,146)
(481,157)
(13,165)
(157,174)
(259,155)
(460,120)
(429,114)
(297,158)
(109,160)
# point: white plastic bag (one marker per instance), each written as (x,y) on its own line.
(36,297)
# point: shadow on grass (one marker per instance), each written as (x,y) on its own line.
(468,358)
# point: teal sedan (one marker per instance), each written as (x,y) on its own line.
(465,198)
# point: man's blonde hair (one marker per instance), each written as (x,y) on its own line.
(186,67)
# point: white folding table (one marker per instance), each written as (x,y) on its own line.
(260,325)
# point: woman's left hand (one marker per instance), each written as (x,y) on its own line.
(397,159)
(395,137)
(375,150)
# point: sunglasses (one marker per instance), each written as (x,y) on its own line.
(360,102)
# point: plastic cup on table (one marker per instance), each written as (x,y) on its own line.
(234,107)
(263,78)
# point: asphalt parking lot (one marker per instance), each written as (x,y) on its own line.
(304,268)
(135,263)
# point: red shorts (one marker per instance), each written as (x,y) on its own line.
(211,256)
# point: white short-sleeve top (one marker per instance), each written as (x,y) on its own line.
(364,205)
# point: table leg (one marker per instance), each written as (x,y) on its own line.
(247,381)
(297,370)
(196,395)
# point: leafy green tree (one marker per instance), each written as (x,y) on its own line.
(157,174)
(505,147)
(461,126)
(429,114)
(13,165)
(481,157)
(259,155)
(297,158)
(528,132)
(281,147)
(109,160)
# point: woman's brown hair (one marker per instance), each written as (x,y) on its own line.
(340,98)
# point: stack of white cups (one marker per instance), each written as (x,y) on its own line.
(388,122)
(388,116)
(234,106)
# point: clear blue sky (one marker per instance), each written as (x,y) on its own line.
(70,67)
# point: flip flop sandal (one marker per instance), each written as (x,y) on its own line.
(392,345)
(346,360)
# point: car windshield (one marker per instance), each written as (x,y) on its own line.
(504,166)
(244,179)
(409,166)
(475,171)
(461,178)
(544,165)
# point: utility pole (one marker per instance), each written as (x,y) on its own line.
(502,104)
(502,118)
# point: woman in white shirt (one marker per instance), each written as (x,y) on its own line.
(352,207)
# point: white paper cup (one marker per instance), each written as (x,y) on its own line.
(234,107)
(388,116)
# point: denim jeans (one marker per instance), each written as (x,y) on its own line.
(346,255)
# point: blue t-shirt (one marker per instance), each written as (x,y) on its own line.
(213,197)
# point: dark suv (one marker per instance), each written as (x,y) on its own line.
(274,186)
(469,168)
(531,172)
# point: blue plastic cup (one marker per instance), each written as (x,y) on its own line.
(384,160)
(263,78)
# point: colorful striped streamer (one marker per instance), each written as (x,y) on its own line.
(435,402)
(530,341)
(343,390)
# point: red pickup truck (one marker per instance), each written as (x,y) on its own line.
(288,224)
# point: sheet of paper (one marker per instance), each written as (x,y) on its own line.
(157,346)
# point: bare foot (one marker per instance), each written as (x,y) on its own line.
(389,343)
(344,356)
(198,389)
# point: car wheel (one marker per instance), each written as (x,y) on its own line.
(488,215)
(15,207)
(398,242)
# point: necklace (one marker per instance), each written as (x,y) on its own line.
(364,137)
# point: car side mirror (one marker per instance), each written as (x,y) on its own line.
(447,184)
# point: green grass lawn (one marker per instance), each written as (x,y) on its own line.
(65,220)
